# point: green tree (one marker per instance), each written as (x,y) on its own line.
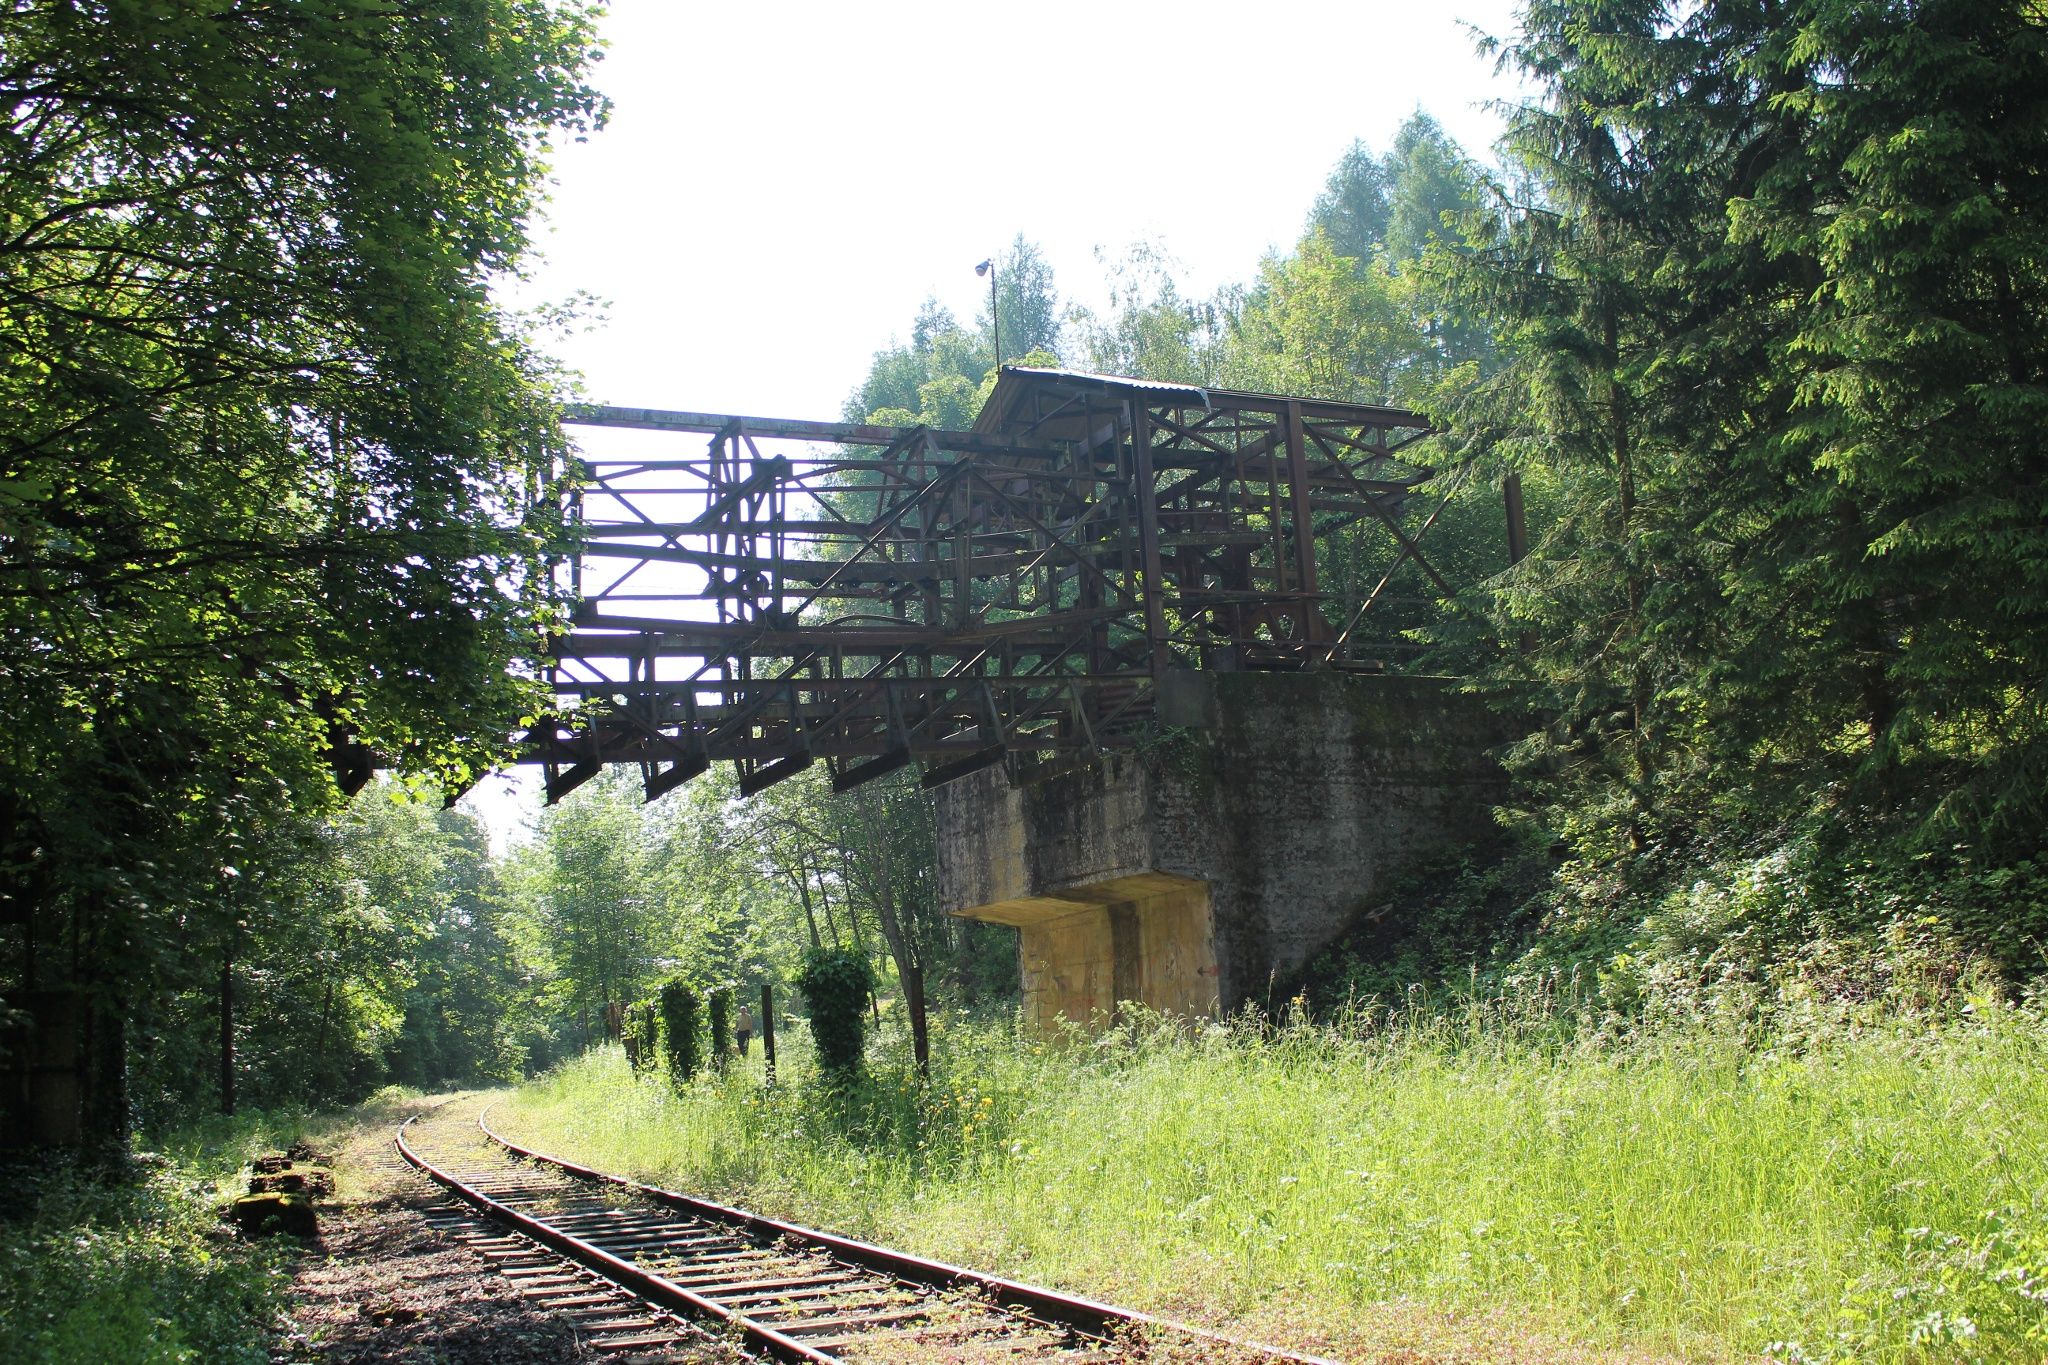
(596,902)
(1352,211)
(1570,281)
(1431,187)
(942,375)
(1773,328)
(1321,325)
(463,1014)
(1902,185)
(273,468)
(1151,331)
(1027,303)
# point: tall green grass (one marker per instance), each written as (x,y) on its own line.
(139,1269)
(133,1271)
(1862,1189)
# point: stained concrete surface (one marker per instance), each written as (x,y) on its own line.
(1207,869)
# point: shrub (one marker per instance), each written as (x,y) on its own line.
(684,1050)
(641,1036)
(92,1272)
(718,1007)
(836,983)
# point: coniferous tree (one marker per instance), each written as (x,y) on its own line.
(1773,324)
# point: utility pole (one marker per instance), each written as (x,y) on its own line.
(995,319)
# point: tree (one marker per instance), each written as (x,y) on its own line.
(1026,302)
(1773,323)
(273,469)
(942,376)
(598,900)
(1322,325)
(1430,188)
(1570,278)
(1352,210)
(1905,185)
(1151,331)
(885,829)
(462,1014)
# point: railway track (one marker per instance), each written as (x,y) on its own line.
(647,1271)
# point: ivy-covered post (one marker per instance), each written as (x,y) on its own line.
(836,983)
(719,1009)
(643,1028)
(629,1039)
(679,1041)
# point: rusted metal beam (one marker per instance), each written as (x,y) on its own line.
(949,597)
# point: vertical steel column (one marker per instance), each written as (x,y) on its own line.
(1303,515)
(963,542)
(1145,489)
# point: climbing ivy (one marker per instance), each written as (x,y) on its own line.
(642,1035)
(836,983)
(719,1009)
(683,1049)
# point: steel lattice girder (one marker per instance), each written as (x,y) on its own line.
(899,594)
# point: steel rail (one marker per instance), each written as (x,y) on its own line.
(1089,1317)
(655,1288)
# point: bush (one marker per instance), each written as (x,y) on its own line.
(836,983)
(680,1006)
(641,1036)
(718,1005)
(135,1274)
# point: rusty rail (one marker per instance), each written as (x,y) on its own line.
(771,1281)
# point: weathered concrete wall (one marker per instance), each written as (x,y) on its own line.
(1293,799)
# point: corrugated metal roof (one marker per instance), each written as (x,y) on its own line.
(1118,381)
(1018,380)
(1015,380)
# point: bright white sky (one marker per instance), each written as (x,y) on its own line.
(781,185)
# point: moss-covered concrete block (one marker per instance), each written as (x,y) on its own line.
(259,1215)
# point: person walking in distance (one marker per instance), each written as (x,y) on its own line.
(743,1029)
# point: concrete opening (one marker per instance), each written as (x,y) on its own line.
(1148,938)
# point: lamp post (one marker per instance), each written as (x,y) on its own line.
(995,320)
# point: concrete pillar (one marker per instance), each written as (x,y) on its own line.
(1207,871)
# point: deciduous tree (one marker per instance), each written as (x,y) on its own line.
(273,467)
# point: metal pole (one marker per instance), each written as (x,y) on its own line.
(995,319)
(768,1028)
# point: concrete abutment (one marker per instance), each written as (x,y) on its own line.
(1207,870)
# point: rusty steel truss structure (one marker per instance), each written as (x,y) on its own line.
(789,592)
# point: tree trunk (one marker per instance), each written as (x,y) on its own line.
(103,1041)
(803,891)
(920,1032)
(227,1028)
(902,947)
(1640,694)
(327,1004)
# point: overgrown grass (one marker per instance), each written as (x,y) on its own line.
(130,1273)
(1866,1187)
(139,1270)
